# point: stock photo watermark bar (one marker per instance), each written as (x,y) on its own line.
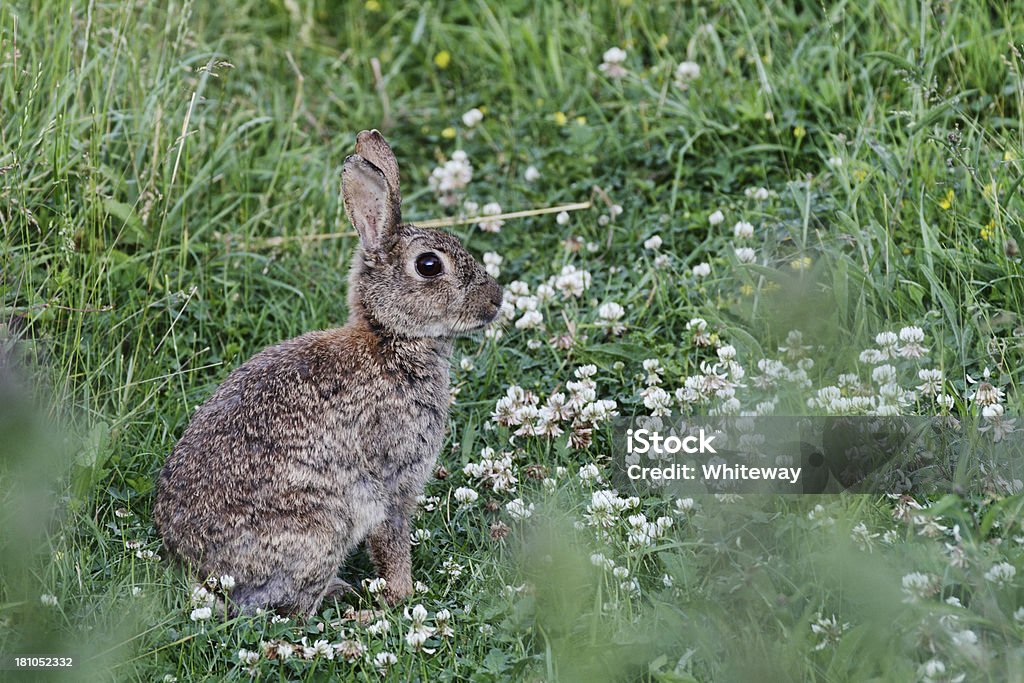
(817,455)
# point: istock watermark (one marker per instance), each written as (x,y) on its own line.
(793,455)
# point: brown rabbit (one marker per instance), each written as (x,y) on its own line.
(320,442)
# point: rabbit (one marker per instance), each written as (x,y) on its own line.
(321,442)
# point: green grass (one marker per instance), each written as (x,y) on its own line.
(148,152)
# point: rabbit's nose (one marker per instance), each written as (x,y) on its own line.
(496,293)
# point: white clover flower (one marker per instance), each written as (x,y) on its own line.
(931,669)
(418,615)
(531,174)
(996,422)
(320,648)
(589,473)
(746,255)
(667,581)
(653,243)
(494,472)
(964,638)
(227,582)
(375,586)
(612,64)
(657,400)
(465,495)
(717,218)
(621,572)
(571,282)
(918,586)
(883,374)
(527,303)
(585,371)
(517,288)
(985,393)
(1001,573)
(48,599)
(887,342)
(451,178)
(652,366)
(685,505)
(452,568)
(201,597)
(420,535)
(862,537)
(472,117)
(383,660)
(598,411)
(686,73)
(200,614)
(872,357)
(912,338)
(599,560)
(562,218)
(661,261)
(609,316)
(379,627)
(492,263)
(743,230)
(248,657)
(443,622)
(428,503)
(931,381)
(834,162)
(350,650)
(699,326)
(530,319)
(945,401)
(828,630)
(519,510)
(758,193)
(493,225)
(701,270)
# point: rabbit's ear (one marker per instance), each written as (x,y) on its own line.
(372,146)
(369,203)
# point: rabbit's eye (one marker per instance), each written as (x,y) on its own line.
(429,264)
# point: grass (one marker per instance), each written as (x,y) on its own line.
(149,151)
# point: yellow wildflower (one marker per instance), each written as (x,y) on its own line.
(442,59)
(947,202)
(801,263)
(560,118)
(448,133)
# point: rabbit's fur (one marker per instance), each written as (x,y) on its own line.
(325,440)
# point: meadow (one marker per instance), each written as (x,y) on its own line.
(793,208)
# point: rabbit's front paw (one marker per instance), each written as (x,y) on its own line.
(338,588)
(398,591)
